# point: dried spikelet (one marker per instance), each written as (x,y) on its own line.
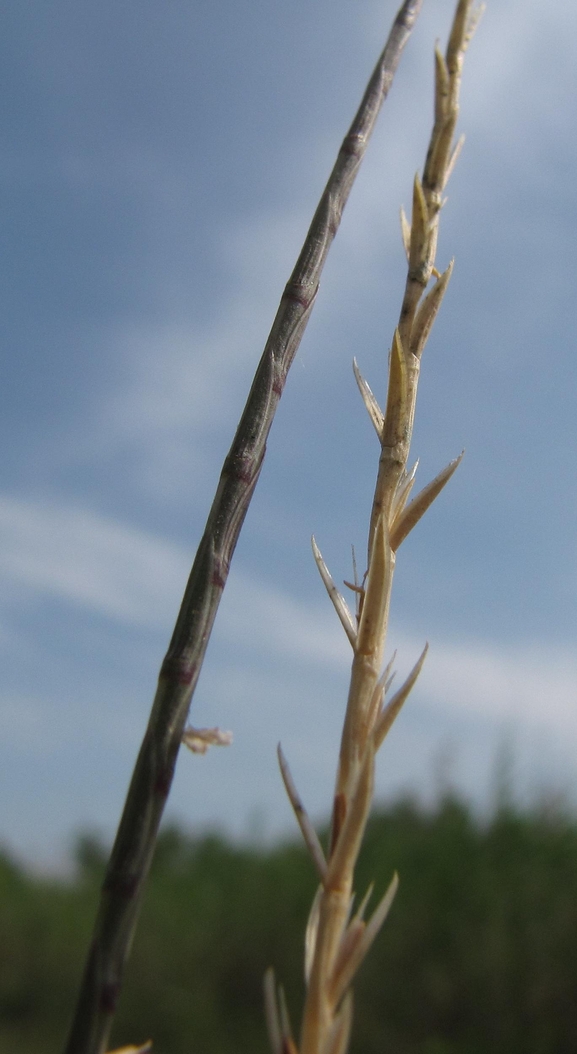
(399,412)
(349,941)
(427,312)
(308,832)
(348,966)
(410,516)
(337,599)
(420,231)
(375,704)
(404,488)
(406,233)
(340,1030)
(375,605)
(441,85)
(348,843)
(394,705)
(311,933)
(373,409)
(453,159)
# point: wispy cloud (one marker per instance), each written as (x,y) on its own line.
(88,560)
(277,669)
(531,685)
(135,577)
(182,380)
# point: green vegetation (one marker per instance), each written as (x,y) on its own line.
(478,954)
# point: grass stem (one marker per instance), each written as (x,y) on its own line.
(153,773)
(336,944)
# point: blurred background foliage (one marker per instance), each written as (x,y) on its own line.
(479,953)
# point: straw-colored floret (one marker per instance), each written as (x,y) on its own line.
(337,940)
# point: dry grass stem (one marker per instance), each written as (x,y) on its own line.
(336,944)
(152,778)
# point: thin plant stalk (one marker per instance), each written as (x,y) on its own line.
(152,778)
(337,941)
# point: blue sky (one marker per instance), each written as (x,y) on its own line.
(159,165)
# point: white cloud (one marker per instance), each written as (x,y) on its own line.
(89,560)
(187,376)
(184,380)
(278,669)
(185,383)
(136,578)
(531,686)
